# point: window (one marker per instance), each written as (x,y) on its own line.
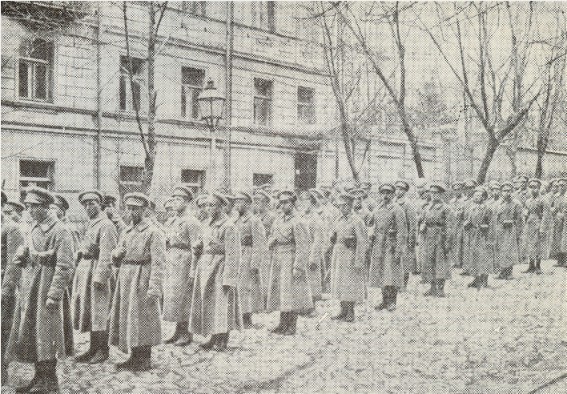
(35,70)
(197,8)
(264,15)
(191,85)
(262,179)
(305,105)
(36,173)
(131,178)
(130,97)
(194,179)
(262,102)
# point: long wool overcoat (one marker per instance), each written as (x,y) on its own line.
(563,246)
(420,253)
(318,233)
(267,219)
(91,303)
(480,223)
(291,247)
(557,222)
(348,259)
(390,239)
(467,230)
(409,257)
(135,316)
(508,223)
(215,308)
(457,207)
(533,232)
(39,333)
(184,242)
(253,251)
(436,241)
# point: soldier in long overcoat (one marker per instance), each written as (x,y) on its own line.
(409,256)
(481,230)
(289,291)
(253,244)
(59,208)
(534,227)
(349,240)
(437,241)
(521,194)
(262,210)
(215,308)
(508,222)
(456,224)
(319,233)
(563,246)
(184,245)
(92,292)
(422,189)
(493,202)
(390,238)
(42,328)
(557,222)
(135,323)
(470,185)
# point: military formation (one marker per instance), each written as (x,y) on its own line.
(218,259)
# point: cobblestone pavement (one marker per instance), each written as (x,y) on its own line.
(504,339)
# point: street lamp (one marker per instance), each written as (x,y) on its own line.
(211,107)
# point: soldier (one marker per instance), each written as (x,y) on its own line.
(368,201)
(557,222)
(169,210)
(436,242)
(480,226)
(493,202)
(59,208)
(289,291)
(42,328)
(252,254)
(92,282)
(409,257)
(201,208)
(508,222)
(184,247)
(349,242)
(109,207)
(533,231)
(215,308)
(390,238)
(469,189)
(13,210)
(457,207)
(318,235)
(261,208)
(521,192)
(421,205)
(135,323)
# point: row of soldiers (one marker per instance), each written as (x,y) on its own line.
(220,258)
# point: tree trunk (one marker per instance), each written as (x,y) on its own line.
(486,160)
(349,151)
(539,164)
(149,160)
(416,155)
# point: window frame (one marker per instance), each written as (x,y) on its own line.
(266,100)
(190,8)
(32,63)
(262,182)
(312,119)
(196,187)
(184,95)
(124,76)
(50,179)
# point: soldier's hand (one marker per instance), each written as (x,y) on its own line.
(51,303)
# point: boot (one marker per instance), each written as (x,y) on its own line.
(478,282)
(385,298)
(132,360)
(392,299)
(509,272)
(531,268)
(86,356)
(100,339)
(292,324)
(48,382)
(502,274)
(343,312)
(184,337)
(406,280)
(440,288)
(142,360)
(247,320)
(210,343)
(282,324)
(37,376)
(174,337)
(485,280)
(222,342)
(538,266)
(349,307)
(474,283)
(432,290)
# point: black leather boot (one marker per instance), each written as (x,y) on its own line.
(349,317)
(432,290)
(342,314)
(291,325)
(531,268)
(144,359)
(538,266)
(86,356)
(406,280)
(282,324)
(37,377)
(210,343)
(440,288)
(102,350)
(474,283)
(247,320)
(184,337)
(47,383)
(131,361)
(222,342)
(392,299)
(385,299)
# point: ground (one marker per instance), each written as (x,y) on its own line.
(504,339)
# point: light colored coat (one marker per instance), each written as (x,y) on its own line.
(390,240)
(508,223)
(91,303)
(214,309)
(563,246)
(253,251)
(436,241)
(39,333)
(291,240)
(534,226)
(421,252)
(135,312)
(319,234)
(467,240)
(410,214)
(347,262)
(184,242)
(481,230)
(267,219)
(457,207)
(557,222)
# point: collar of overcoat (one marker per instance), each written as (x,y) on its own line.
(47,223)
(144,224)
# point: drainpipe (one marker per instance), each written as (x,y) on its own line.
(228,90)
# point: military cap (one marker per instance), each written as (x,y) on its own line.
(365,184)
(265,186)
(90,195)
(287,195)
(60,201)
(167,204)
(242,195)
(357,193)
(437,187)
(201,200)
(483,190)
(386,187)
(263,194)
(522,178)
(534,180)
(182,191)
(562,179)
(470,183)
(344,198)
(317,193)
(108,199)
(402,184)
(38,195)
(4,198)
(222,198)
(494,185)
(136,199)
(458,185)
(506,185)
(16,204)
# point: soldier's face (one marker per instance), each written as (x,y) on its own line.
(11,212)
(286,206)
(400,192)
(241,205)
(56,211)
(478,196)
(38,212)
(213,207)
(562,185)
(495,193)
(135,213)
(178,203)
(344,206)
(387,196)
(260,205)
(506,193)
(534,188)
(92,208)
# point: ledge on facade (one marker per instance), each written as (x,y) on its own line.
(46,15)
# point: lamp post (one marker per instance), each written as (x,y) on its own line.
(211,106)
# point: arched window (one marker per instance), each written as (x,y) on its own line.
(35,70)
